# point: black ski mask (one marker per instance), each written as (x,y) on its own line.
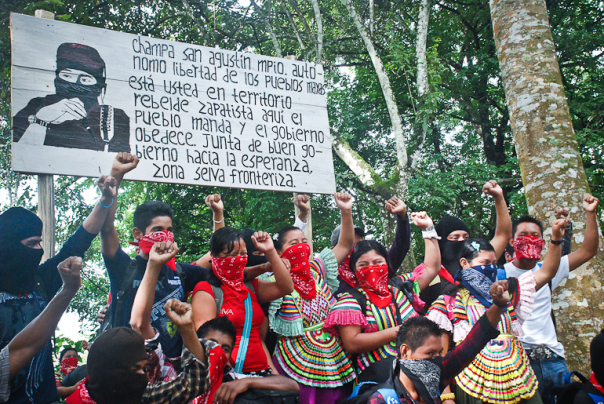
(18,263)
(448,248)
(110,377)
(84,58)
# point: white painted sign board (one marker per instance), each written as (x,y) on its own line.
(192,114)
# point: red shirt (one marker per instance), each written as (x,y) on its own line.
(234,309)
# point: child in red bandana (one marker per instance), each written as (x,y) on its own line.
(370,331)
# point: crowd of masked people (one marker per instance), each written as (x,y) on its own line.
(262,318)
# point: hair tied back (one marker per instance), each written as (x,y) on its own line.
(476,246)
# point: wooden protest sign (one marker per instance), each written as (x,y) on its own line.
(192,114)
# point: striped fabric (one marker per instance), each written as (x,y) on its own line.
(313,358)
(501,373)
(375,319)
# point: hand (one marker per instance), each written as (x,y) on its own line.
(421,220)
(107,186)
(492,188)
(499,293)
(86,345)
(561,213)
(344,201)
(215,203)
(227,392)
(302,201)
(70,273)
(590,203)
(263,242)
(163,252)
(395,332)
(269,268)
(123,163)
(100,317)
(181,314)
(65,110)
(558,228)
(396,206)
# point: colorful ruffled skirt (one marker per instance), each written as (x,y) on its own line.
(314,359)
(500,373)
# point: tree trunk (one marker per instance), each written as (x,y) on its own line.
(550,163)
(395,119)
(319,21)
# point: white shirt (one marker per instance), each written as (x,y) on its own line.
(539,328)
(4,375)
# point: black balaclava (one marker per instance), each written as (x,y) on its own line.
(252,259)
(110,379)
(18,263)
(80,57)
(448,248)
(596,350)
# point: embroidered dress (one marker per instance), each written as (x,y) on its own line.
(371,319)
(304,351)
(501,372)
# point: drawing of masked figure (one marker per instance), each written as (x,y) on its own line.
(72,117)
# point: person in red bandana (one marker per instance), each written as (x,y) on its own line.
(68,359)
(304,352)
(369,317)
(226,294)
(152,223)
(545,352)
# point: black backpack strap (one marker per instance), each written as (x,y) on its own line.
(129,276)
(181,274)
(551,290)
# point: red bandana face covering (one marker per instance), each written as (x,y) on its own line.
(147,242)
(528,247)
(346,274)
(68,365)
(299,255)
(374,280)
(230,271)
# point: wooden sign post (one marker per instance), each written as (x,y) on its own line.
(46,192)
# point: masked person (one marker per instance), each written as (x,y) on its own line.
(544,350)
(152,223)
(368,318)
(305,352)
(396,254)
(452,230)
(421,371)
(72,117)
(116,367)
(68,360)
(26,286)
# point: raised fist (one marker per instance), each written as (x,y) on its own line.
(343,200)
(302,201)
(396,206)
(123,163)
(590,203)
(163,252)
(492,188)
(421,220)
(215,202)
(69,270)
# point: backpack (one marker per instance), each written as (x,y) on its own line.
(113,317)
(566,393)
(219,296)
(256,396)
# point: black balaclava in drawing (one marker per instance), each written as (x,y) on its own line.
(80,57)
(18,263)
(110,377)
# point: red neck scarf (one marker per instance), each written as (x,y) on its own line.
(597,385)
(68,365)
(299,256)
(528,247)
(81,395)
(230,271)
(374,280)
(147,242)
(346,274)
(217,360)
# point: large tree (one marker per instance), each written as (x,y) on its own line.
(548,155)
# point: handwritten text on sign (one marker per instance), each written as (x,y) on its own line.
(192,114)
